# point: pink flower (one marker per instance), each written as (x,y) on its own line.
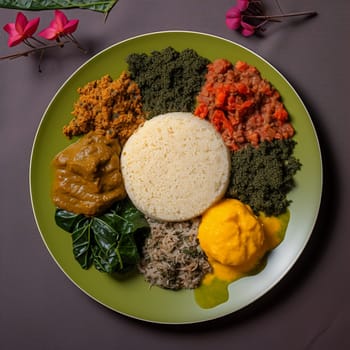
(21,29)
(233,18)
(248,17)
(59,26)
(235,13)
(247,29)
(242,4)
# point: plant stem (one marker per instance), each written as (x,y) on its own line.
(293,14)
(75,41)
(37,40)
(36,49)
(28,43)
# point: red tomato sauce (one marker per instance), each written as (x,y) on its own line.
(242,106)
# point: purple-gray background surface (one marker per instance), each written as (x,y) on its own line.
(41,309)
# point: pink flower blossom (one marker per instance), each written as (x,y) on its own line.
(21,30)
(59,26)
(242,5)
(233,18)
(247,29)
(248,17)
(235,13)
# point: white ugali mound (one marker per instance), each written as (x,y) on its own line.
(175,167)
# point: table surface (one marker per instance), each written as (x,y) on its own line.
(40,308)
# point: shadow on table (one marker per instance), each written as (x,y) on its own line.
(68,55)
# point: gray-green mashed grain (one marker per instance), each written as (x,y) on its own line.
(262,176)
(169,80)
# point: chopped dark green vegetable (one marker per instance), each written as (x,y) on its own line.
(111,242)
(261,177)
(169,80)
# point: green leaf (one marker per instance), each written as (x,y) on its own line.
(105,235)
(127,217)
(133,228)
(36,5)
(128,251)
(112,242)
(105,260)
(82,245)
(82,239)
(68,220)
(117,250)
(106,256)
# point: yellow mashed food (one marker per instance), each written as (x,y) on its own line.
(235,241)
(231,234)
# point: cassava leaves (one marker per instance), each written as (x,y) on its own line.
(111,242)
(36,5)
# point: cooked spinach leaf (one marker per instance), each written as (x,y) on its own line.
(126,217)
(81,238)
(111,242)
(95,5)
(104,254)
(68,221)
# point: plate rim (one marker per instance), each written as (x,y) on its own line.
(290,86)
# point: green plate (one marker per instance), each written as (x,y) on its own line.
(133,297)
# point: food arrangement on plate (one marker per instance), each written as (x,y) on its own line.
(179,169)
